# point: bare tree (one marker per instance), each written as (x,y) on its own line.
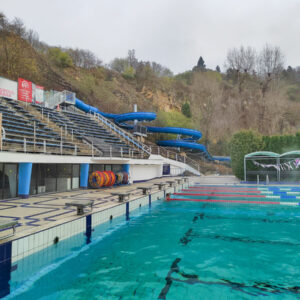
(132,60)
(160,70)
(241,59)
(84,58)
(270,61)
(17,26)
(3,22)
(33,38)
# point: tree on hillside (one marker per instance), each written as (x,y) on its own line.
(17,26)
(200,65)
(186,109)
(132,60)
(218,69)
(59,57)
(241,59)
(270,61)
(119,64)
(84,58)
(160,70)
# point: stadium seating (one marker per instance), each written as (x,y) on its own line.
(27,133)
(35,128)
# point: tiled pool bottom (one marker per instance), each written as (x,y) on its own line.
(172,251)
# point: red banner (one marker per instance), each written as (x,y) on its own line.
(24,90)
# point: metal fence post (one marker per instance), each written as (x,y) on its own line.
(121,151)
(110,153)
(34,135)
(75,150)
(45,147)
(61,147)
(24,145)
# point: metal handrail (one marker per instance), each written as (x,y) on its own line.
(173,155)
(123,133)
(148,149)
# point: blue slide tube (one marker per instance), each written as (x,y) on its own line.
(189,142)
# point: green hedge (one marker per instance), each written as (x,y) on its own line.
(245,142)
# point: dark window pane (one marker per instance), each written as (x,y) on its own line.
(1,181)
(10,180)
(116,168)
(75,178)
(47,178)
(107,167)
(97,167)
(64,172)
(33,181)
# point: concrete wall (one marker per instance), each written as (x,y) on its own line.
(144,172)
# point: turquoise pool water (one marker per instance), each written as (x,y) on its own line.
(175,250)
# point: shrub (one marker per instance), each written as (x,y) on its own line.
(60,58)
(186,109)
(242,143)
(129,73)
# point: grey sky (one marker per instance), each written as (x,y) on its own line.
(173,33)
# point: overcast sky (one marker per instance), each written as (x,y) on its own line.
(173,33)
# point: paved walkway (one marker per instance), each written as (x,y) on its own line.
(46,210)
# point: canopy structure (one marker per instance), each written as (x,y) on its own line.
(266,165)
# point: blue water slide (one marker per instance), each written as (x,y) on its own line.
(188,137)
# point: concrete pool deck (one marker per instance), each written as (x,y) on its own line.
(47,210)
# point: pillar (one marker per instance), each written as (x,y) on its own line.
(126,168)
(84,175)
(24,179)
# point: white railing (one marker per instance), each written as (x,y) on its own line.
(54,98)
(122,133)
(148,149)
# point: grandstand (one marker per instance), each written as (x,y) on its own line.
(53,146)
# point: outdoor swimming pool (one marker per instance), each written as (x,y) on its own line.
(175,250)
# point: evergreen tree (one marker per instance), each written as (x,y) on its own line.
(186,109)
(200,65)
(218,69)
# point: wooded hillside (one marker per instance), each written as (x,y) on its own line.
(255,92)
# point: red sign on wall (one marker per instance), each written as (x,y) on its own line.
(24,90)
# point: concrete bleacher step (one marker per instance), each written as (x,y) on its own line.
(103,138)
(82,148)
(26,131)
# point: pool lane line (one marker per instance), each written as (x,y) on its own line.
(222,191)
(221,195)
(236,201)
(225,188)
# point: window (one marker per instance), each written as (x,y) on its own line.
(34,178)
(47,178)
(116,168)
(10,183)
(96,168)
(75,176)
(64,176)
(1,181)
